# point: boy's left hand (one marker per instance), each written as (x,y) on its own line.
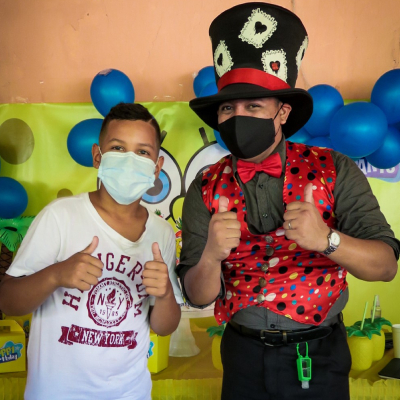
(155,275)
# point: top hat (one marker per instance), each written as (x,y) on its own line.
(258,49)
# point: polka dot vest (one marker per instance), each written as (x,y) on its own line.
(269,270)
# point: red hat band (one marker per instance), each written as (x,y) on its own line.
(253,77)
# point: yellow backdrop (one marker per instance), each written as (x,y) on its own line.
(39,159)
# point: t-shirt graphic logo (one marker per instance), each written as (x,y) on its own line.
(109,302)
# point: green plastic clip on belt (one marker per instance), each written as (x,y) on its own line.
(303,367)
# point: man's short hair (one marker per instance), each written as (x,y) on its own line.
(130,112)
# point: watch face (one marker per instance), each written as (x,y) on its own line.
(335,239)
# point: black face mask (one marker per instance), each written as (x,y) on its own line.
(247,137)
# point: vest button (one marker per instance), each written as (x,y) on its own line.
(264,267)
(262,282)
(260,298)
(269,239)
(270,251)
(265,215)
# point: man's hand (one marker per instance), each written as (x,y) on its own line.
(155,275)
(304,224)
(223,232)
(80,271)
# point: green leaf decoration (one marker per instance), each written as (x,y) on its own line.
(178,224)
(216,330)
(12,231)
(367,331)
(377,324)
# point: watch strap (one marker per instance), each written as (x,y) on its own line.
(331,247)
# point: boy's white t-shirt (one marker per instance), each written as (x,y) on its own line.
(92,344)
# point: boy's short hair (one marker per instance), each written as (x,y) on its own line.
(130,112)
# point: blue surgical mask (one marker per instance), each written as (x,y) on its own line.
(126,176)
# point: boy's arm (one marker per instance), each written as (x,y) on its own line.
(166,313)
(20,296)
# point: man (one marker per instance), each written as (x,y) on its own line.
(281,223)
(97,270)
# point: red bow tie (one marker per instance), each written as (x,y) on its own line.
(272,165)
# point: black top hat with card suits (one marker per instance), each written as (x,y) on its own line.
(258,49)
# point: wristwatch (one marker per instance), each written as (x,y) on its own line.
(334,242)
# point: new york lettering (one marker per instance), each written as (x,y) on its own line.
(94,337)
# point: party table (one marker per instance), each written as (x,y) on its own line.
(195,378)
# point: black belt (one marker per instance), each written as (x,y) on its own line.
(281,338)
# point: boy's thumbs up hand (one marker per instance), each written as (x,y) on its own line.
(92,246)
(156,252)
(304,224)
(155,275)
(81,270)
(223,232)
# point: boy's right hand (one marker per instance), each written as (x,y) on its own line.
(223,232)
(81,270)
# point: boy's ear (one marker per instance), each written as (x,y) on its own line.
(159,166)
(96,155)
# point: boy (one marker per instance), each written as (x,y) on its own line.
(96,270)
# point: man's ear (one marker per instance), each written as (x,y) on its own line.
(284,112)
(96,155)
(159,166)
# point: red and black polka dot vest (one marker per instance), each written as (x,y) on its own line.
(269,270)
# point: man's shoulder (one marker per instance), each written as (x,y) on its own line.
(224,162)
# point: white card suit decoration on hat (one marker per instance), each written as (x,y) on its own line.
(258,29)
(300,53)
(222,59)
(274,62)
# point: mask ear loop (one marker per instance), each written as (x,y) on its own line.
(280,126)
(98,179)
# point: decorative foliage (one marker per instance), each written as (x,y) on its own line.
(367,331)
(370,328)
(178,224)
(12,231)
(216,330)
(376,324)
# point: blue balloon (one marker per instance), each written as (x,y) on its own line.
(386,95)
(396,125)
(205,76)
(327,101)
(13,198)
(209,90)
(109,88)
(358,129)
(320,141)
(388,155)
(301,136)
(81,139)
(219,140)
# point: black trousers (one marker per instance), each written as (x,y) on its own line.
(254,371)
